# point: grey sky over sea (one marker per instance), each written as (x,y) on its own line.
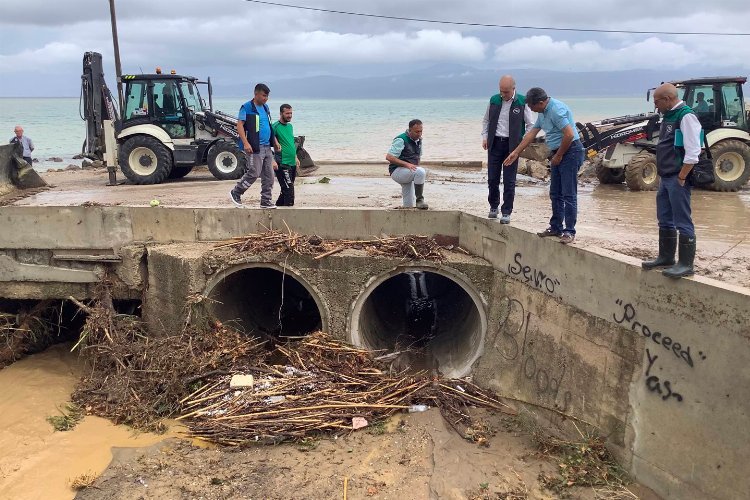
(239,42)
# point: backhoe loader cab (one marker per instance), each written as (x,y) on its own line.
(718,101)
(163,130)
(629,142)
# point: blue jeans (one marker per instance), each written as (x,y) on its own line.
(673,206)
(563,190)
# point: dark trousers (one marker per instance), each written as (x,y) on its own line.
(495,158)
(673,206)
(28,159)
(563,190)
(286,174)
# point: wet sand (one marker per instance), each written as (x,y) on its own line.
(609,216)
(36,461)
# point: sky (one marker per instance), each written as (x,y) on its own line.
(42,42)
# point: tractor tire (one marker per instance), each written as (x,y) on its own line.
(225,161)
(145,160)
(640,172)
(610,175)
(179,172)
(731,164)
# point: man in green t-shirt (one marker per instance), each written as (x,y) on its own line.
(286,158)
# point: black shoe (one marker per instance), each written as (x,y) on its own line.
(667,250)
(267,205)
(684,266)
(549,232)
(235,198)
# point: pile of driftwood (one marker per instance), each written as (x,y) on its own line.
(29,329)
(323,385)
(407,247)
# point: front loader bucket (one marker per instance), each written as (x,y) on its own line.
(15,172)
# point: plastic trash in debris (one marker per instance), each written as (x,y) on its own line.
(359,422)
(241,381)
(275,399)
(418,408)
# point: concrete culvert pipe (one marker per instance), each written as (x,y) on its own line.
(437,317)
(265,300)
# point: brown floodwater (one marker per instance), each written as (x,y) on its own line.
(36,461)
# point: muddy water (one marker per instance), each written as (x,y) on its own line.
(719,217)
(36,462)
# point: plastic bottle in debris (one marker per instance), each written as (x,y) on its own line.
(418,408)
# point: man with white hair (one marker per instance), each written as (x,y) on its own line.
(677,151)
(505,122)
(25,141)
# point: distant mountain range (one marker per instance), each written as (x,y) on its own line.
(456,81)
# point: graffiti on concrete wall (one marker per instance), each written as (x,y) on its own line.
(531,276)
(666,345)
(657,385)
(513,342)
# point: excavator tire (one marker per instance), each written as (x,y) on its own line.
(610,175)
(179,172)
(640,172)
(225,161)
(731,164)
(145,160)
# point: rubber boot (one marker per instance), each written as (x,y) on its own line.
(419,192)
(684,266)
(667,250)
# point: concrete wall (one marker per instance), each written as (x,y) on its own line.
(661,366)
(689,399)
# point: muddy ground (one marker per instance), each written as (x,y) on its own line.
(410,456)
(610,216)
(413,456)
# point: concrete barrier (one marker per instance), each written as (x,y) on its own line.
(659,366)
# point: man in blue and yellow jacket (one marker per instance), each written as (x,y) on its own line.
(256,140)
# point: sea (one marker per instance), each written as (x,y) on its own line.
(335,130)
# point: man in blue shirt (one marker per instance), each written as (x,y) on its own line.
(567,152)
(256,140)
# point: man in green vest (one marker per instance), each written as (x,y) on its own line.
(505,122)
(403,165)
(677,151)
(286,158)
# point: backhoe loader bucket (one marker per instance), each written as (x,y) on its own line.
(15,173)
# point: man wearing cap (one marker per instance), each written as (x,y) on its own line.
(26,143)
(567,154)
(505,122)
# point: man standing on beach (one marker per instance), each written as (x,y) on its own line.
(286,159)
(505,122)
(403,165)
(26,143)
(256,139)
(556,119)
(676,153)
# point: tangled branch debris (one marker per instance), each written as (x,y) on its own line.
(303,387)
(323,385)
(407,247)
(28,330)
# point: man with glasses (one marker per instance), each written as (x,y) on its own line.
(556,119)
(677,152)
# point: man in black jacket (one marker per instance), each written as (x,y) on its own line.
(256,140)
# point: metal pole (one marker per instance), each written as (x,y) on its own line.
(118,67)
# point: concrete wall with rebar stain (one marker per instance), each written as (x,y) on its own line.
(659,366)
